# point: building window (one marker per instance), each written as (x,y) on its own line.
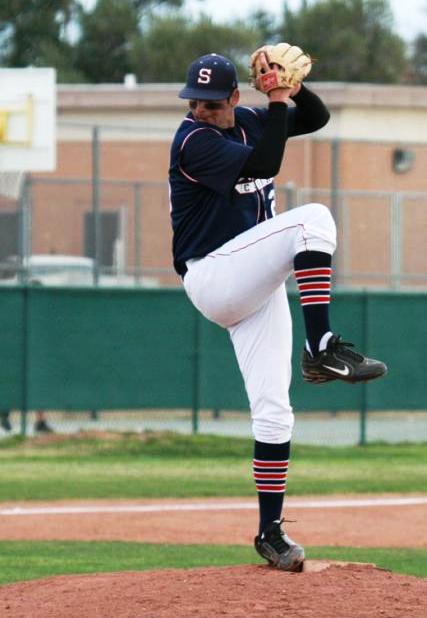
(109,233)
(9,234)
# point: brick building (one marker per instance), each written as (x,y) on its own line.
(373,149)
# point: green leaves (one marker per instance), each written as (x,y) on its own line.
(419,66)
(161,55)
(352,40)
(107,32)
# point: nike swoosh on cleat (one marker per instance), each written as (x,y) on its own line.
(343,372)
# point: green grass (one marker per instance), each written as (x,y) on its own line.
(169,465)
(400,560)
(25,560)
(166,465)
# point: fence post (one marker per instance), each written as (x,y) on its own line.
(25,358)
(25,207)
(290,195)
(395,240)
(335,175)
(364,386)
(335,201)
(95,205)
(25,204)
(196,373)
(137,231)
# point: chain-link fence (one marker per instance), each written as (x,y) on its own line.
(380,236)
(122,229)
(323,427)
(92,231)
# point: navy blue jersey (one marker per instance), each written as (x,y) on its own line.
(210,202)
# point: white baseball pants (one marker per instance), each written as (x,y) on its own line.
(241,287)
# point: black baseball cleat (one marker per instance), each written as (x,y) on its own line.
(338,362)
(278,549)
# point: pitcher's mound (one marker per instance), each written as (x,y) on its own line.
(314,566)
(322,590)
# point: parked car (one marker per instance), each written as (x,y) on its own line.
(62,270)
(47,270)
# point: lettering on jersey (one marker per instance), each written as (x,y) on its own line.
(251,186)
(204,76)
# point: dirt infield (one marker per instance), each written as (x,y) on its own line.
(234,592)
(386,524)
(324,590)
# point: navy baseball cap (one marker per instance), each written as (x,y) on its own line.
(211,77)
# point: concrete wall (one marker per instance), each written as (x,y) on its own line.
(137,125)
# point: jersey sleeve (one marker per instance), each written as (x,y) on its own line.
(207,157)
(309,115)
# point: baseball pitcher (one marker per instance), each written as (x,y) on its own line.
(234,255)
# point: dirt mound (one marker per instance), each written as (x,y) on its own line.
(239,592)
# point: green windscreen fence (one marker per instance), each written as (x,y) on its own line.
(91,349)
(105,349)
(13,350)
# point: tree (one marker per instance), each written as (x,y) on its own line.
(351,40)
(264,22)
(34,32)
(171,42)
(107,32)
(419,60)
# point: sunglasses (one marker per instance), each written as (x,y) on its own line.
(211,105)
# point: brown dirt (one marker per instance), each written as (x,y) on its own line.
(239,592)
(323,590)
(373,526)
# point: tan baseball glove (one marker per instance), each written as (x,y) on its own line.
(293,65)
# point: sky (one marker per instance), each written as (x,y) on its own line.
(410,15)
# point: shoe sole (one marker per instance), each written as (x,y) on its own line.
(294,560)
(316,377)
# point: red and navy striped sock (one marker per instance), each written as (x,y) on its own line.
(270,470)
(313,276)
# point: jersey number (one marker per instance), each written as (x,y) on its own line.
(204,76)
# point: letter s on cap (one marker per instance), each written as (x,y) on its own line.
(204,76)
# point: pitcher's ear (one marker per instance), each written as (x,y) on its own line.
(235,97)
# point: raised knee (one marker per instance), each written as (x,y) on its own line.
(320,211)
(322,219)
